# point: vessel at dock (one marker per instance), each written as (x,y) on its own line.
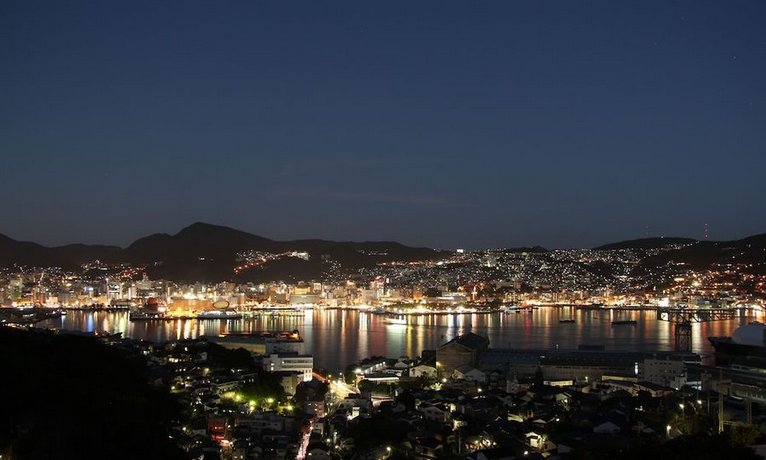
(624,322)
(745,347)
(152,309)
(219,314)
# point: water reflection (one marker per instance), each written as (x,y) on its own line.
(341,337)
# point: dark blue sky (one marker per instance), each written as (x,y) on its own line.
(470,124)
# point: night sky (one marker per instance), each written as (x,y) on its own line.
(471,124)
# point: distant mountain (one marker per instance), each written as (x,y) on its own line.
(532,249)
(33,254)
(645,243)
(205,252)
(194,241)
(750,250)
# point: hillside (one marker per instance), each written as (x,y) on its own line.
(750,250)
(14,252)
(205,252)
(645,243)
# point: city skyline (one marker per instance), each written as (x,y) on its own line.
(432,124)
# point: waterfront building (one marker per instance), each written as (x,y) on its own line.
(463,350)
(292,362)
(262,344)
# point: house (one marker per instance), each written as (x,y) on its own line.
(427,448)
(470,374)
(318,451)
(655,390)
(435,412)
(423,371)
(606,428)
(535,440)
(497,453)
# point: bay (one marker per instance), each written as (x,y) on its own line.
(338,338)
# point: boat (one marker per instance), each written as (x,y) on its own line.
(566,321)
(624,322)
(512,308)
(219,314)
(145,316)
(151,310)
(398,319)
(746,346)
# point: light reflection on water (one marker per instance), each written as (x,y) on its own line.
(340,337)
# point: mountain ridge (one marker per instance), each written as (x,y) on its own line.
(207,252)
(645,243)
(204,251)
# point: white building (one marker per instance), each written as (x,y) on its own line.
(303,364)
(423,371)
(669,371)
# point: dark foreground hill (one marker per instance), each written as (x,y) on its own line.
(68,397)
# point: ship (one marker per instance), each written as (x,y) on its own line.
(262,343)
(396,319)
(745,347)
(566,321)
(151,310)
(624,322)
(219,314)
(221,310)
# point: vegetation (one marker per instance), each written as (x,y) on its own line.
(73,397)
(377,431)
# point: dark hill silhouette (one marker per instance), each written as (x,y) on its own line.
(532,249)
(205,252)
(208,252)
(194,241)
(73,397)
(750,250)
(645,243)
(33,254)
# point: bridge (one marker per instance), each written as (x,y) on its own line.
(683,318)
